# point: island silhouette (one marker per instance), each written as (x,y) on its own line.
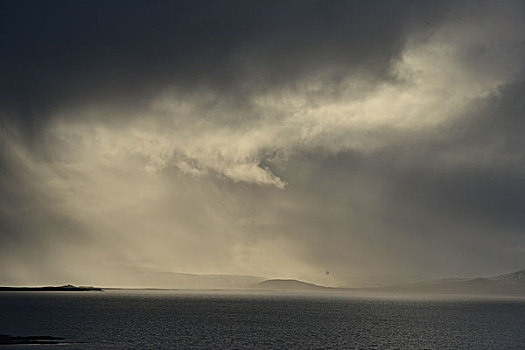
(64,288)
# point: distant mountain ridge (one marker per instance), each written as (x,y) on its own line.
(145,279)
(506,284)
(287,285)
(510,277)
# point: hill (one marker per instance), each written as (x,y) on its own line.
(287,285)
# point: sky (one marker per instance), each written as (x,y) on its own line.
(281,139)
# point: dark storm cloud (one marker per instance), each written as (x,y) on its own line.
(476,169)
(61,53)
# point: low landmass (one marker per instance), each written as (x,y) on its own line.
(508,284)
(30,340)
(65,288)
(287,285)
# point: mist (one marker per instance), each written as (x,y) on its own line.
(274,139)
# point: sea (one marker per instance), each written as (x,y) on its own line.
(118,319)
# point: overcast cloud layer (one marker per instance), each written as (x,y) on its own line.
(279,139)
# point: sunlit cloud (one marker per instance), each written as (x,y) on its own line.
(208,134)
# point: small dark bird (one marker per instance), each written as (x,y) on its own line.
(327,272)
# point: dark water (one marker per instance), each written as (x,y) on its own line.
(162,320)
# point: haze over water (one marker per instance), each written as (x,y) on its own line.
(258,320)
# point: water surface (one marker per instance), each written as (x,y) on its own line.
(236,320)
